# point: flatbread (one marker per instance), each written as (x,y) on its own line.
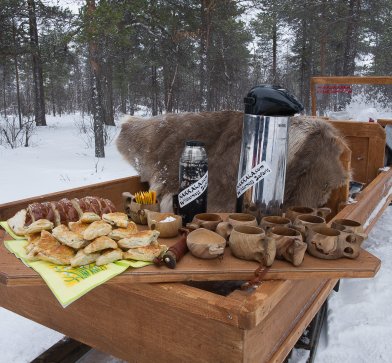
(17,222)
(69,238)
(116,219)
(147,253)
(81,258)
(139,239)
(97,229)
(99,244)
(38,226)
(120,233)
(59,255)
(109,256)
(78,227)
(89,217)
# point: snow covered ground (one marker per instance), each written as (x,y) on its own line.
(359,327)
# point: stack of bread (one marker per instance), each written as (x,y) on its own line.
(90,238)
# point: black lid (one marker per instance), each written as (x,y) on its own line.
(271,100)
(194,143)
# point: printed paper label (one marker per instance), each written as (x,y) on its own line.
(194,191)
(259,172)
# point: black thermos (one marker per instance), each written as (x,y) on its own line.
(193,179)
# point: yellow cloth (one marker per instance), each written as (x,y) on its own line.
(70,283)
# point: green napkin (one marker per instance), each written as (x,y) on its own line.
(8,229)
(70,283)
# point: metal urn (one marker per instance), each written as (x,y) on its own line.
(262,167)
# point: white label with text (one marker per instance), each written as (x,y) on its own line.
(259,172)
(194,191)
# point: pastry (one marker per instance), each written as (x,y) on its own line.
(147,253)
(99,244)
(97,229)
(59,255)
(67,237)
(139,239)
(116,219)
(17,222)
(81,258)
(120,233)
(89,217)
(38,226)
(78,227)
(109,256)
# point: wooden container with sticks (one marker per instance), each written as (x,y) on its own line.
(135,205)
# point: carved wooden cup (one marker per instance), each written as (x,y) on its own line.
(225,228)
(349,226)
(167,224)
(135,210)
(251,243)
(307,220)
(205,220)
(330,244)
(274,221)
(293,212)
(289,244)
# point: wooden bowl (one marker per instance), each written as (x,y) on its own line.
(166,229)
(206,244)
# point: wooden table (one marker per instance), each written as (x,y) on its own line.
(187,322)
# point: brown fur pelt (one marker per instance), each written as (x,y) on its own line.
(153,147)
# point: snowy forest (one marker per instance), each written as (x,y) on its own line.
(111,57)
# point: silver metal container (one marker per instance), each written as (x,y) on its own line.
(262,168)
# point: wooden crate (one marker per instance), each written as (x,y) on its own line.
(366,141)
(182,322)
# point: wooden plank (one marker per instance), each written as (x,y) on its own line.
(114,319)
(300,321)
(371,202)
(14,272)
(384,121)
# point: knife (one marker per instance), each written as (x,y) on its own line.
(174,254)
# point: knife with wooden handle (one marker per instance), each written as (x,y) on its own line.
(174,254)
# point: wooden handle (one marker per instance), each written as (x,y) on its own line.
(177,251)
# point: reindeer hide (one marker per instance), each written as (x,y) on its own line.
(153,147)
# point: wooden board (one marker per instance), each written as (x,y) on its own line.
(169,321)
(228,267)
(366,141)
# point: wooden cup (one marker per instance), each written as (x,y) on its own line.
(236,219)
(330,244)
(251,243)
(307,220)
(206,244)
(205,220)
(350,226)
(135,210)
(274,221)
(289,244)
(166,229)
(293,212)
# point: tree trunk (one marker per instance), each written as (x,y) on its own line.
(16,74)
(39,97)
(108,95)
(274,47)
(154,89)
(350,50)
(96,99)
(4,87)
